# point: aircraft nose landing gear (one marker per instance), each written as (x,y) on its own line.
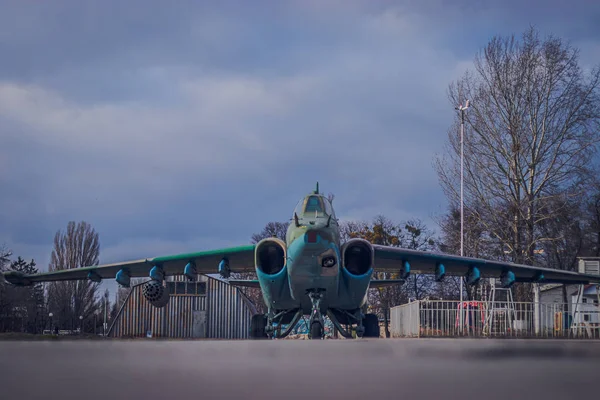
(316,323)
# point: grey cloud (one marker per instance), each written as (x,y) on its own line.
(192,125)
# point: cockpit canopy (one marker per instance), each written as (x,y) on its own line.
(314,205)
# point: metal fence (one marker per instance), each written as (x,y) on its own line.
(405,320)
(438,318)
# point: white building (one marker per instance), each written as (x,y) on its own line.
(558,313)
(587,310)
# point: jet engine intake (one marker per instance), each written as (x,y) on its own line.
(270,256)
(357,256)
(156,293)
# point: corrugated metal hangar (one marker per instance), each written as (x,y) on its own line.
(206,308)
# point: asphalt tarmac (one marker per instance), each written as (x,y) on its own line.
(300,369)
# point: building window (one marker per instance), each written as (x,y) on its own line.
(201,288)
(187,288)
(179,288)
(584,300)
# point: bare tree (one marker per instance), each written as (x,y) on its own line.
(77,247)
(531,131)
(5,303)
(4,257)
(591,212)
(271,229)
(352,229)
(417,236)
(477,243)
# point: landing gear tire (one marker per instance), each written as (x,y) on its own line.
(258,326)
(360,331)
(371,324)
(316,331)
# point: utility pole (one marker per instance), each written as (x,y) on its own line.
(462,110)
(104,325)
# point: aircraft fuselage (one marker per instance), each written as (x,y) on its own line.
(313,261)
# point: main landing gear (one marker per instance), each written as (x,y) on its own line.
(367,325)
(265,326)
(371,326)
(271,325)
(258,326)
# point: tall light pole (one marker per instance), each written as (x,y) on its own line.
(462,110)
(104,327)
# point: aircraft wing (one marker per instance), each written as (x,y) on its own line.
(394,259)
(241,259)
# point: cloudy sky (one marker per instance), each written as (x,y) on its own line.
(187,125)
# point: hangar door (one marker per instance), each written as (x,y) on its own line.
(199,324)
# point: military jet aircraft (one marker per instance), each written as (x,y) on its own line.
(311,273)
